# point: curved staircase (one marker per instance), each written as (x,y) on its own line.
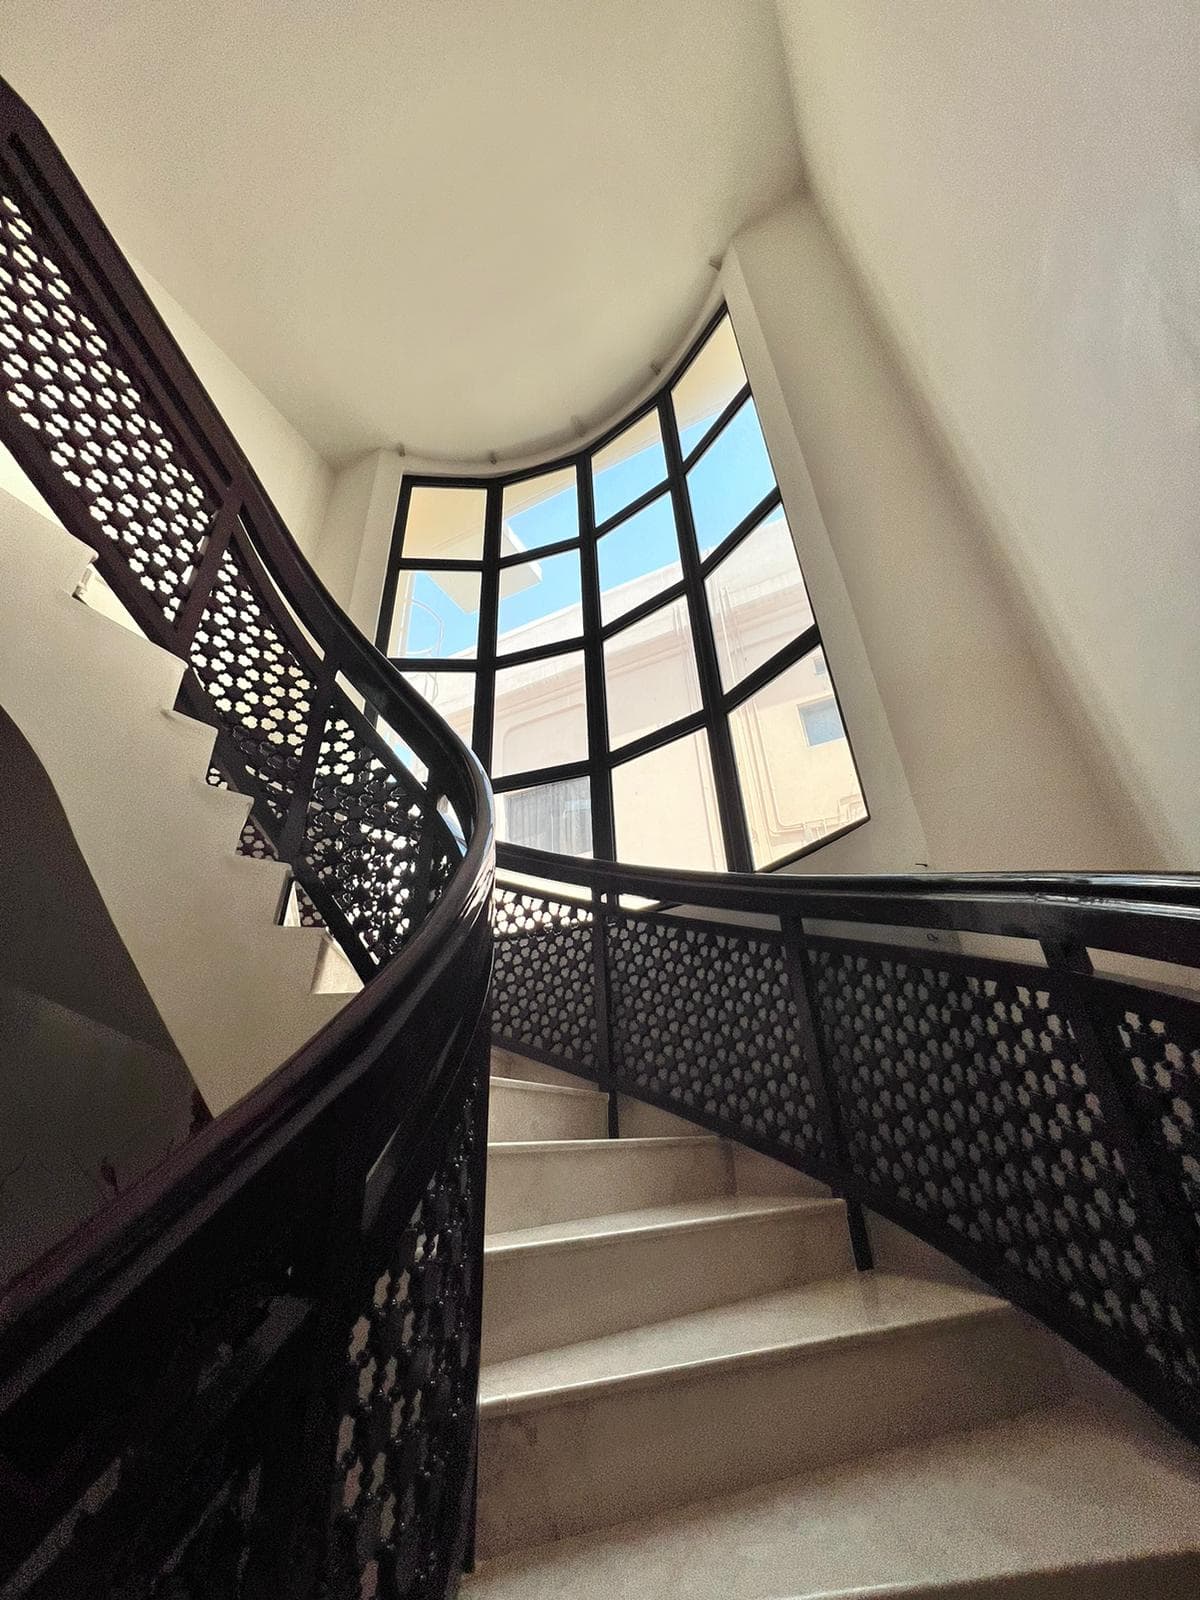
(688,1391)
(710,1366)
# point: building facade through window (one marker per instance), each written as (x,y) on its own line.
(626,638)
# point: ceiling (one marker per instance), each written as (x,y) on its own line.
(452,224)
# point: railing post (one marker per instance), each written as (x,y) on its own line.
(291,835)
(1071,965)
(205,578)
(799,973)
(600,990)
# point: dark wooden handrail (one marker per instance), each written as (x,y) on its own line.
(238,1378)
(1036,1119)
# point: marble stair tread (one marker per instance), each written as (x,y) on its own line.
(538,1181)
(509,1064)
(845,1310)
(1027,1508)
(678,1217)
(561,1090)
(520,1112)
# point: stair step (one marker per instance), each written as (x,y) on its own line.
(575,1280)
(508,1064)
(1057,1504)
(522,1111)
(533,1183)
(591,1434)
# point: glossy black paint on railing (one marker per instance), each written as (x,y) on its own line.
(1033,1118)
(255,1372)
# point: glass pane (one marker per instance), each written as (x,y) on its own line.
(757,600)
(626,468)
(540,601)
(707,386)
(541,715)
(793,759)
(436,614)
(729,479)
(451,694)
(650,674)
(446,523)
(540,511)
(665,808)
(551,816)
(639,558)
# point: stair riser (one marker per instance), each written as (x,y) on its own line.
(539,1298)
(634,1449)
(1171,1577)
(529,1188)
(507,1064)
(544,1114)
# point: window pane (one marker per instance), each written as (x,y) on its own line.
(757,600)
(541,715)
(451,694)
(650,674)
(540,511)
(445,523)
(729,479)
(797,776)
(665,808)
(436,614)
(707,386)
(639,558)
(551,816)
(540,602)
(626,468)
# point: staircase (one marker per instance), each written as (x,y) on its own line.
(255,1373)
(96,701)
(687,1390)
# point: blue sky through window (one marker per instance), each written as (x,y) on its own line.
(550,521)
(645,544)
(729,479)
(615,486)
(534,590)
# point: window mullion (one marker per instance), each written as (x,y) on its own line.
(489,613)
(729,799)
(603,835)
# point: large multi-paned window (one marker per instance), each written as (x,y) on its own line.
(626,639)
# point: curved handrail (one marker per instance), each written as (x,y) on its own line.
(230,1280)
(941,1050)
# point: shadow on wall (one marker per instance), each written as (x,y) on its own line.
(93,1092)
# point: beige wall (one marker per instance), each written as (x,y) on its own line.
(1018,185)
(293,474)
(1000,777)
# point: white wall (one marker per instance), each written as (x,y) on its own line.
(999,776)
(892,839)
(293,474)
(1018,185)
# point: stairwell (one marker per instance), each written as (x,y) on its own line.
(95,700)
(687,1390)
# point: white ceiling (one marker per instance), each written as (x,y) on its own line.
(449,223)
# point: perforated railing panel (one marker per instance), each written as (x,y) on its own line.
(69,380)
(256,684)
(706,1018)
(407,1406)
(967,1098)
(544,980)
(371,840)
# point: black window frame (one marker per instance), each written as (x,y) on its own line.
(716,702)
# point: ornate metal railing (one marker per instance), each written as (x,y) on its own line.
(255,1372)
(941,1050)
